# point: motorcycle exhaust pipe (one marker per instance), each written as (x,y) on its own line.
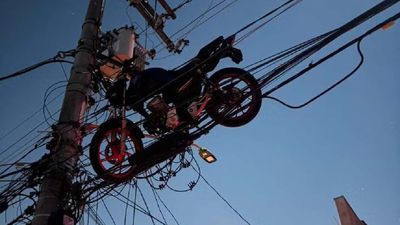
(161,150)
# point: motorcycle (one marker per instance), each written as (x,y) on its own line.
(189,104)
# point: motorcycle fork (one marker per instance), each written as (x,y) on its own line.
(203,106)
(123,122)
(205,99)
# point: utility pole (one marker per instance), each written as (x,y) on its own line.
(58,178)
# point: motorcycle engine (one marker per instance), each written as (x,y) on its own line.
(162,117)
(157,104)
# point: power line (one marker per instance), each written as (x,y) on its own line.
(221,197)
(165,206)
(145,204)
(326,90)
(210,9)
(108,212)
(58,58)
(302,56)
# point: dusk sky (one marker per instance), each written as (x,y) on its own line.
(283,168)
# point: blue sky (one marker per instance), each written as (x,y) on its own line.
(286,166)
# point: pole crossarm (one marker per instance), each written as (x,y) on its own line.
(154,20)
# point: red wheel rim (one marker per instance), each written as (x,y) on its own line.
(112,160)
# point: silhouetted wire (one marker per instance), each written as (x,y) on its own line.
(200,23)
(193,183)
(168,83)
(329,88)
(28,144)
(158,206)
(20,139)
(207,182)
(199,19)
(220,196)
(325,41)
(28,118)
(340,49)
(15,189)
(191,22)
(274,59)
(293,2)
(284,54)
(126,205)
(134,201)
(63,70)
(108,212)
(166,207)
(16,153)
(95,113)
(37,126)
(33,67)
(20,124)
(47,94)
(127,15)
(93,214)
(123,198)
(145,203)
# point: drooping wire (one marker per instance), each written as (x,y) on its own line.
(325,41)
(340,49)
(47,94)
(329,88)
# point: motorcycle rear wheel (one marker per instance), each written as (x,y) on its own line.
(106,157)
(240,100)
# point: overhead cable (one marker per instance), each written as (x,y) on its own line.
(58,58)
(313,65)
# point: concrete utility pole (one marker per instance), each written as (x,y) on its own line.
(57,181)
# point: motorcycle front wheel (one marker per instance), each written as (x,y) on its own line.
(107,156)
(238,100)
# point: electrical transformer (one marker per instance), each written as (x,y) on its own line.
(122,45)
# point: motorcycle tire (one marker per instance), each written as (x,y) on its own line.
(105,156)
(251,97)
